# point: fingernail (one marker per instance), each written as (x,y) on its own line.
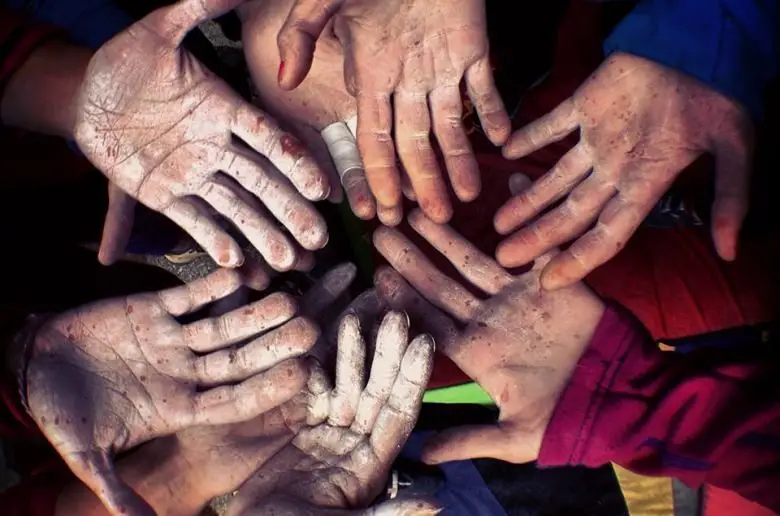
(281,72)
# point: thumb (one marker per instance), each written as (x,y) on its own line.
(118,225)
(404,507)
(732,197)
(298,37)
(96,470)
(468,442)
(175,21)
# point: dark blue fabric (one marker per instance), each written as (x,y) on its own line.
(731,45)
(87,22)
(464,492)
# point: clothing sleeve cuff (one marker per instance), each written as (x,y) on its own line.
(729,47)
(568,440)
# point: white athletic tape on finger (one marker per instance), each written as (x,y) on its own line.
(342,148)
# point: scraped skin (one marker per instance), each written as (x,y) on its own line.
(355,429)
(641,124)
(520,344)
(405,60)
(108,376)
(161,127)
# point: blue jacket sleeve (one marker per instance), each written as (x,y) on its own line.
(731,45)
(86,22)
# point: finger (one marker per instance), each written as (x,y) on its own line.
(250,398)
(367,307)
(298,36)
(207,233)
(343,149)
(560,225)
(175,21)
(552,127)
(305,262)
(400,296)
(328,290)
(312,139)
(403,507)
(412,135)
(732,197)
(469,442)
(350,372)
(296,214)
(118,225)
(487,101)
(447,111)
(615,226)
(230,365)
(519,183)
(282,149)
(96,470)
(318,389)
(475,266)
(217,332)
(435,286)
(391,216)
(391,343)
(377,149)
(192,296)
(255,274)
(570,169)
(271,243)
(397,418)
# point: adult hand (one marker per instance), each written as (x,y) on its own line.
(520,344)
(640,125)
(108,376)
(417,52)
(162,127)
(320,107)
(353,431)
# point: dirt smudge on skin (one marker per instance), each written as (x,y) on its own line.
(292,147)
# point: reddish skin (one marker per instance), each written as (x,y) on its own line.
(280,75)
(292,147)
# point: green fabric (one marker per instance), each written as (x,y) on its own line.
(468,393)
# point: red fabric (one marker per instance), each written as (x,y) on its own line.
(37,495)
(720,502)
(709,417)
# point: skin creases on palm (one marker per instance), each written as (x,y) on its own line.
(162,127)
(108,376)
(354,429)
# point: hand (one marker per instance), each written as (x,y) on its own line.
(318,107)
(640,125)
(416,51)
(108,376)
(353,431)
(162,128)
(520,344)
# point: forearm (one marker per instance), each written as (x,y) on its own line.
(153,473)
(709,417)
(42,95)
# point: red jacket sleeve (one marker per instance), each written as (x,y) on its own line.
(18,39)
(711,416)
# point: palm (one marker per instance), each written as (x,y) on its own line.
(353,431)
(641,125)
(108,376)
(161,126)
(418,53)
(520,344)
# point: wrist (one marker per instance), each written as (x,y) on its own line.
(43,95)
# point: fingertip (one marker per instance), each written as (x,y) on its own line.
(552,279)
(506,256)
(283,303)
(390,215)
(439,211)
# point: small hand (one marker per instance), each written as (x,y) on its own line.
(405,61)
(108,376)
(640,125)
(317,108)
(353,431)
(163,128)
(520,344)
